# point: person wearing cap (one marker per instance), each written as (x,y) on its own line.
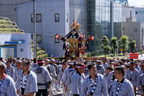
(10,69)
(132,75)
(141,80)
(137,66)
(100,68)
(77,80)
(66,78)
(94,84)
(121,86)
(7,86)
(26,83)
(18,69)
(43,79)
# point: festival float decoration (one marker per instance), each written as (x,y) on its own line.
(75,42)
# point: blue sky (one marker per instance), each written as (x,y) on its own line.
(136,3)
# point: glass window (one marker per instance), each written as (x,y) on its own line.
(57,17)
(39,38)
(38,18)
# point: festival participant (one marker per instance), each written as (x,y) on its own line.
(26,83)
(10,69)
(43,79)
(109,69)
(141,81)
(7,86)
(18,69)
(100,68)
(59,77)
(67,82)
(77,80)
(132,75)
(50,67)
(94,84)
(121,86)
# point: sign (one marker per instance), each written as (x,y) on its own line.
(133,55)
(121,50)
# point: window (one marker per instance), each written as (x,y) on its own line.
(57,40)
(39,38)
(67,17)
(57,17)
(38,18)
(135,30)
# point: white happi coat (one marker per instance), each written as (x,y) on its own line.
(135,77)
(101,88)
(76,82)
(141,84)
(31,84)
(43,76)
(126,88)
(7,88)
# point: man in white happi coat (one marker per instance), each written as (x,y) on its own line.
(7,86)
(100,67)
(94,84)
(18,69)
(10,69)
(132,75)
(50,67)
(121,86)
(26,83)
(66,78)
(141,81)
(43,79)
(59,77)
(109,69)
(77,79)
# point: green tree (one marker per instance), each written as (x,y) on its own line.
(105,44)
(124,43)
(114,44)
(132,45)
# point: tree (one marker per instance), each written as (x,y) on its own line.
(124,43)
(105,44)
(114,44)
(132,45)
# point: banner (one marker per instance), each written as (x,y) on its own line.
(134,55)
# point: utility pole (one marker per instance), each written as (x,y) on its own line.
(34,27)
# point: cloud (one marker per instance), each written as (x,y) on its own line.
(136,3)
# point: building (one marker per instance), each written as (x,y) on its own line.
(13,41)
(8,8)
(134,30)
(139,14)
(123,2)
(52,17)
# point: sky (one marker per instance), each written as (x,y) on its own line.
(136,3)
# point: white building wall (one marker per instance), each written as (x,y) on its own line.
(26,47)
(134,30)
(48,27)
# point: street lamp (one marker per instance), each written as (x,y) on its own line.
(117,46)
(34,27)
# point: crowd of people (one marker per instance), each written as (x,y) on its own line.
(101,77)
